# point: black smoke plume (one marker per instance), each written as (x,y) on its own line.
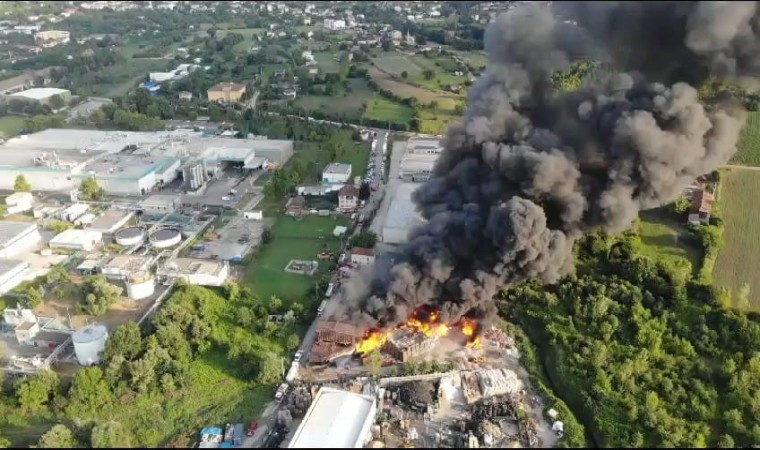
(529,169)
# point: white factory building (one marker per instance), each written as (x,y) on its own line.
(336,173)
(419,159)
(17,238)
(126,163)
(199,272)
(75,239)
(402,215)
(12,273)
(43,95)
(336,419)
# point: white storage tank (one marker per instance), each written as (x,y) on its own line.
(129,236)
(89,343)
(140,285)
(167,237)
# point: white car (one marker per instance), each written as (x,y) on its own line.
(225,198)
(297,358)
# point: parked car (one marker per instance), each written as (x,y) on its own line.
(252,429)
(297,358)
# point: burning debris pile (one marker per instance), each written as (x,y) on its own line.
(419,395)
(530,169)
(334,339)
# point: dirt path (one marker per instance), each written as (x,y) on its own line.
(733,166)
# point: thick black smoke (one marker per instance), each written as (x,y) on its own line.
(530,169)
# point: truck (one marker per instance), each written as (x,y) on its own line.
(292,372)
(329,291)
(211,437)
(228,432)
(237,435)
(321,308)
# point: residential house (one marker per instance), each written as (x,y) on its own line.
(227,92)
(348,198)
(296,206)
(52,38)
(184,95)
(289,94)
(701,207)
(361,256)
(334,24)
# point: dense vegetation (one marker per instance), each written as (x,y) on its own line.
(644,357)
(148,387)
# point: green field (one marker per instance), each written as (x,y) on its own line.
(749,144)
(386,110)
(310,155)
(665,238)
(395,63)
(477,59)
(293,239)
(327,63)
(442,67)
(10,125)
(349,104)
(739,256)
(117,80)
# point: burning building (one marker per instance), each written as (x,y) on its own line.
(405,343)
(334,339)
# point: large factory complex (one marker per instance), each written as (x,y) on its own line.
(130,163)
(154,226)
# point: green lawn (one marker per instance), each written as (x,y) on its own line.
(10,125)
(349,103)
(477,59)
(292,240)
(739,256)
(327,62)
(311,155)
(396,63)
(665,238)
(749,144)
(442,70)
(386,110)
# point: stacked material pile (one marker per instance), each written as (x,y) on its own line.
(499,381)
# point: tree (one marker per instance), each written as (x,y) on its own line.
(57,274)
(726,441)
(364,191)
(404,74)
(4,443)
(91,190)
(88,394)
(292,342)
(35,393)
(57,102)
(21,185)
(365,239)
(245,316)
(99,294)
(275,304)
(682,205)
(57,437)
(232,290)
(459,109)
(428,74)
(375,363)
(270,368)
(110,435)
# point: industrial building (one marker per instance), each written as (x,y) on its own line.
(160,204)
(419,159)
(402,215)
(226,92)
(119,267)
(127,163)
(333,340)
(111,221)
(404,344)
(336,419)
(196,271)
(89,343)
(12,273)
(17,238)
(336,173)
(43,95)
(182,71)
(75,239)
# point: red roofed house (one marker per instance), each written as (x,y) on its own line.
(348,198)
(701,207)
(362,256)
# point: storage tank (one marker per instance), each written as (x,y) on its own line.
(167,237)
(129,236)
(140,285)
(89,342)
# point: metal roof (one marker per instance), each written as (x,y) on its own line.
(10,231)
(335,419)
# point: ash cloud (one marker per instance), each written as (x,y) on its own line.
(529,170)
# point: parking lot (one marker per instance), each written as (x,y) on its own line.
(236,239)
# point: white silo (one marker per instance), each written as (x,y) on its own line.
(140,285)
(89,342)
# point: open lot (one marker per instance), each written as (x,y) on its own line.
(10,125)
(116,80)
(293,239)
(749,144)
(350,103)
(477,59)
(395,63)
(312,155)
(328,62)
(442,67)
(665,239)
(386,110)
(740,253)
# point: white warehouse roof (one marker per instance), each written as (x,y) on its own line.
(76,238)
(40,93)
(402,212)
(336,419)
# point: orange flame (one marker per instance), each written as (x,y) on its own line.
(475,343)
(373,339)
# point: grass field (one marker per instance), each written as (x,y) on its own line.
(293,239)
(749,144)
(350,104)
(385,110)
(477,59)
(739,256)
(10,125)
(665,239)
(443,76)
(395,63)
(116,80)
(327,63)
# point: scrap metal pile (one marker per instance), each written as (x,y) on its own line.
(419,395)
(497,406)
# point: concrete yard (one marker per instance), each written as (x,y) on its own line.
(236,239)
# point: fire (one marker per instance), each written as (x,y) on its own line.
(425,320)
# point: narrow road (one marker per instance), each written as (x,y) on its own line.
(733,166)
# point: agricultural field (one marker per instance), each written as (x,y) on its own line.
(395,63)
(386,81)
(293,239)
(477,59)
(666,239)
(117,80)
(328,62)
(749,144)
(10,125)
(739,256)
(386,110)
(349,104)
(443,68)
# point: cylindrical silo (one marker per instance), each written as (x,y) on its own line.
(129,236)
(140,285)
(89,342)
(167,237)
